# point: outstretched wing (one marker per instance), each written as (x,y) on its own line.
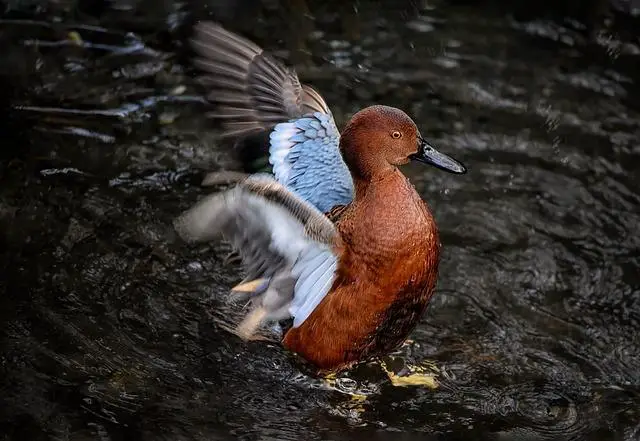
(253,92)
(306,158)
(285,242)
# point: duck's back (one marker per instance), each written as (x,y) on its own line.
(387,273)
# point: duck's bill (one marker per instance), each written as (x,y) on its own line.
(429,155)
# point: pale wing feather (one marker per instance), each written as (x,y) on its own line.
(253,92)
(306,158)
(279,237)
(314,280)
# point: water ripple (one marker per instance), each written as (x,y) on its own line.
(115,330)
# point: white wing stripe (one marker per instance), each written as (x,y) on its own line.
(311,289)
(313,271)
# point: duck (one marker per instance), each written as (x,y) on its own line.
(339,249)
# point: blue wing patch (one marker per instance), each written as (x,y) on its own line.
(306,158)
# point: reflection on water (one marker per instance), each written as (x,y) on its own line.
(110,324)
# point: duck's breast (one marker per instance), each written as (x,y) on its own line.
(391,231)
(387,273)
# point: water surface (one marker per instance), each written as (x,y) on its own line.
(110,325)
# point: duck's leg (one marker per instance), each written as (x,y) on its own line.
(355,395)
(346,386)
(411,373)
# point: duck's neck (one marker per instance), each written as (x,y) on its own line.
(388,222)
(362,183)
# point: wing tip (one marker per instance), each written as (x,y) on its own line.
(313,100)
(181,228)
(250,71)
(206,218)
(223,177)
(251,322)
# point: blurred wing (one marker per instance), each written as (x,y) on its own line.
(306,158)
(251,89)
(283,240)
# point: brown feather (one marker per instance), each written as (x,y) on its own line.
(364,315)
(252,91)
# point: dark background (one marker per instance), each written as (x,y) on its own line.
(109,325)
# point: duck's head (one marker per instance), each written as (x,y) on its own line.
(378,138)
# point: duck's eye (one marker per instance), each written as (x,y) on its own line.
(396,135)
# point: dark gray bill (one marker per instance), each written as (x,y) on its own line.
(429,155)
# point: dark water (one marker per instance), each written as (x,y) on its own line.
(109,327)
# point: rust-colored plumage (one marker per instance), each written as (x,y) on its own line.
(356,279)
(389,251)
